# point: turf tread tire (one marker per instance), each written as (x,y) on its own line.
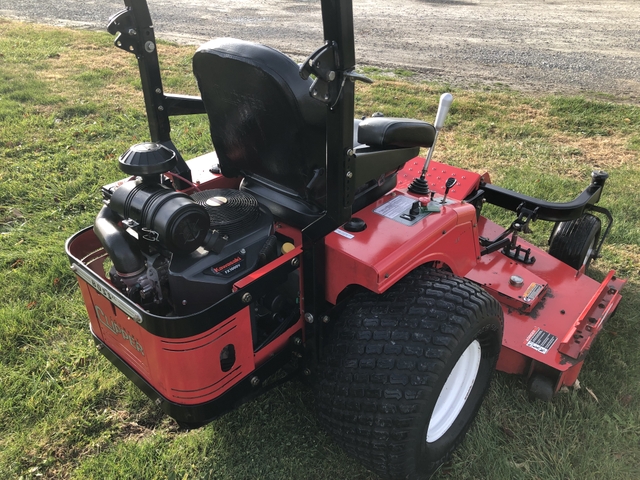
(386,356)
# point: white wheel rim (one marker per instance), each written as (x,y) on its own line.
(455,392)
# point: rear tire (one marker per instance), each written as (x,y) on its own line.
(404,373)
(575,242)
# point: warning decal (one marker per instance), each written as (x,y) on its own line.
(395,207)
(540,340)
(532,292)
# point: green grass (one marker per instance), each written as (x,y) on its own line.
(70,104)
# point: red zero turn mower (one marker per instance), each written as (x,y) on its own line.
(307,245)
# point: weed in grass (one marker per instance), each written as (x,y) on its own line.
(70,104)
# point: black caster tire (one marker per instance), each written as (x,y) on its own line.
(575,242)
(540,387)
(404,373)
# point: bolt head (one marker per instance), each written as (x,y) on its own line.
(349,174)
(308,317)
(246,298)
(325,319)
(255,381)
(295,262)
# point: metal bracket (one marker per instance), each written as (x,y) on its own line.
(510,247)
(521,224)
(322,64)
(121,24)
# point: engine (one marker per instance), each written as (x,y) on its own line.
(180,254)
(177,254)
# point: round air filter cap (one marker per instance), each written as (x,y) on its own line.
(147,159)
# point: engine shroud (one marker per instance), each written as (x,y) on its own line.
(231,211)
(200,279)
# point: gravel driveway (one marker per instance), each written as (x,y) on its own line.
(539,45)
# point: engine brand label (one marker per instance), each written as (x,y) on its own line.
(229,266)
(540,340)
(116,329)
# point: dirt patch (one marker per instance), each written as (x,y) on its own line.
(605,153)
(569,46)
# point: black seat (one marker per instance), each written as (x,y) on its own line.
(267,128)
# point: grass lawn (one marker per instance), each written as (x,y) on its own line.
(70,104)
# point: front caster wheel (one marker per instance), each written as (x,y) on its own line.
(575,242)
(404,373)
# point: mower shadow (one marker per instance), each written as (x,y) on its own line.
(249,442)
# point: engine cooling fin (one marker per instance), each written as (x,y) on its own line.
(230,211)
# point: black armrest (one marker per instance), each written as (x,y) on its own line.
(384,132)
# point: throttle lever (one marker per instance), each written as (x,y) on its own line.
(447,186)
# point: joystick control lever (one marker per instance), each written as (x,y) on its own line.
(419,184)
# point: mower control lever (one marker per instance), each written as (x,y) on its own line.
(419,184)
(443,110)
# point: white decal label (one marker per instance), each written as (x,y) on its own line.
(395,207)
(343,233)
(540,340)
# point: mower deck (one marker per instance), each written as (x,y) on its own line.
(550,320)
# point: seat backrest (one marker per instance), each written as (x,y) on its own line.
(264,124)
